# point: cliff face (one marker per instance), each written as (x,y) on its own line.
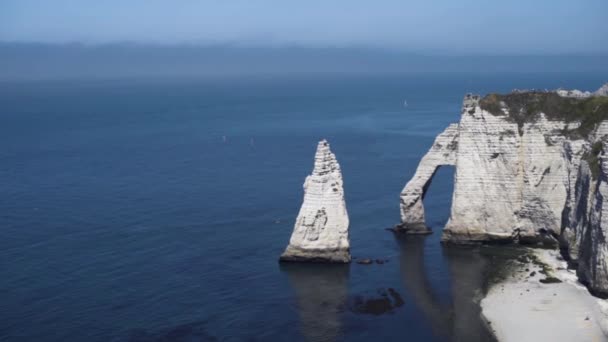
(591,246)
(321,230)
(527,170)
(443,152)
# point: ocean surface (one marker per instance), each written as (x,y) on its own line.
(155,210)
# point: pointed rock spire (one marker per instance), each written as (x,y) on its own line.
(321,230)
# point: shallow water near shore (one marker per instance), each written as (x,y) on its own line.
(155,210)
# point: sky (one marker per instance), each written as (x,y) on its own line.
(514,27)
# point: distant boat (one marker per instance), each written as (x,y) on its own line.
(404,103)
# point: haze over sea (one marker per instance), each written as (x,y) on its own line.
(156,209)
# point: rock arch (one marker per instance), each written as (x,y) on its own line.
(443,152)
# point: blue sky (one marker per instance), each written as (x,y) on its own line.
(440,26)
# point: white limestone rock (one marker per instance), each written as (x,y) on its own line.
(603,91)
(321,229)
(510,181)
(593,245)
(443,152)
(575,217)
(575,93)
(578,94)
(520,181)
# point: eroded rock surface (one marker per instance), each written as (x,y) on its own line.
(603,91)
(527,170)
(592,248)
(443,152)
(321,229)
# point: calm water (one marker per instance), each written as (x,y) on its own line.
(125,215)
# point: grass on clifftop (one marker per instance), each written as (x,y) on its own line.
(526,106)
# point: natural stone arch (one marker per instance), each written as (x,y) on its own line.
(443,152)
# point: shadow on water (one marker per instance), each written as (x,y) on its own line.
(416,282)
(189,332)
(472,270)
(321,293)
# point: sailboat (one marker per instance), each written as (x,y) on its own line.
(404,103)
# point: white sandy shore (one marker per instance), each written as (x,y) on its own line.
(524,309)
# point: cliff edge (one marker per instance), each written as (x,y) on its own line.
(530,168)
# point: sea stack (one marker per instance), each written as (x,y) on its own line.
(321,230)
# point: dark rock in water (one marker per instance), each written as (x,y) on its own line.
(365,262)
(524,259)
(550,280)
(396,297)
(411,229)
(329,256)
(386,302)
(195,331)
(381,261)
(533,274)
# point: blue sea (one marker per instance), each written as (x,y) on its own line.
(156,209)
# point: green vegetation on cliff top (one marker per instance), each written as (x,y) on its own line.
(593,158)
(526,106)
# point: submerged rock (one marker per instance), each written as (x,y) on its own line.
(321,229)
(386,301)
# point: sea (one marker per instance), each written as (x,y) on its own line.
(156,209)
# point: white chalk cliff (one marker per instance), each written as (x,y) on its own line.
(527,169)
(321,229)
(443,152)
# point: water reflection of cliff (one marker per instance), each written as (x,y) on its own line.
(460,319)
(321,292)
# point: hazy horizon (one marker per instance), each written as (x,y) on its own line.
(433,27)
(37,61)
(69,39)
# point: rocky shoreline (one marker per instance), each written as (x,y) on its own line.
(531,168)
(542,300)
